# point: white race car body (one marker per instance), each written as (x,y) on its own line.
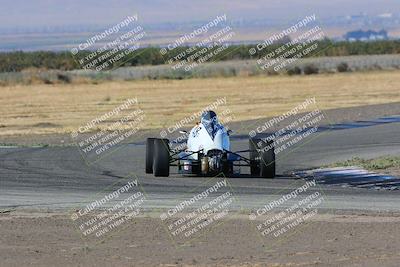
(200,139)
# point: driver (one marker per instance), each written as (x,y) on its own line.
(210,122)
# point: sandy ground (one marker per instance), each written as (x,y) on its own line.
(48,239)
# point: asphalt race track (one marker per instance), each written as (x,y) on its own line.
(58,178)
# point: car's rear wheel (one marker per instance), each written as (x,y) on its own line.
(227,166)
(262,158)
(161,158)
(267,161)
(254,163)
(149,154)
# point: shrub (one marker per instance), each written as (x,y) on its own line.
(294,71)
(343,67)
(63,78)
(46,81)
(310,69)
(376,66)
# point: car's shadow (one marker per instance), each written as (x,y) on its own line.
(240,176)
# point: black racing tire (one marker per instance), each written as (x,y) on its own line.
(267,161)
(254,163)
(161,158)
(149,154)
(262,158)
(227,167)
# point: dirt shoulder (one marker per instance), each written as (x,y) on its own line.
(48,239)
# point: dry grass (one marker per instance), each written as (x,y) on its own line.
(39,109)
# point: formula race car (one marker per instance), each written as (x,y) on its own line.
(207,153)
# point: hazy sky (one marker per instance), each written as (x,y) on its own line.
(32,13)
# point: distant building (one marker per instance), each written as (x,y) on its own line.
(366,35)
(385,15)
